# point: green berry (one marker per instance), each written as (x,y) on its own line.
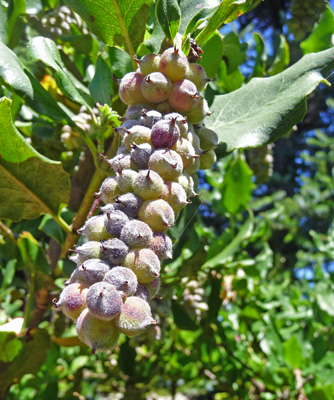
(156,87)
(183,96)
(158,215)
(161,244)
(168,164)
(124,280)
(136,234)
(144,263)
(72,300)
(148,185)
(173,64)
(94,229)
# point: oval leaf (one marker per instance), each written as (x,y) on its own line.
(30,184)
(267,108)
(169,16)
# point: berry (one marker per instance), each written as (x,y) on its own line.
(148,185)
(149,118)
(183,96)
(114,222)
(164,107)
(175,195)
(135,317)
(143,293)
(109,189)
(94,229)
(199,112)
(121,161)
(133,112)
(113,251)
(144,263)
(123,279)
(187,182)
(168,164)
(208,159)
(161,244)
(93,270)
(164,134)
(72,300)
(98,334)
(130,88)
(138,134)
(181,122)
(187,152)
(158,215)
(136,234)
(85,252)
(173,64)
(104,301)
(156,87)
(140,154)
(125,178)
(153,287)
(129,123)
(149,63)
(196,74)
(129,203)
(208,138)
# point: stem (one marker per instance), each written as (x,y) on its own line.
(99,175)
(8,232)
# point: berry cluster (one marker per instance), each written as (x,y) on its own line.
(261,161)
(154,175)
(304,14)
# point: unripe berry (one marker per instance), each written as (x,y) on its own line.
(158,215)
(164,107)
(156,87)
(208,138)
(130,88)
(194,167)
(123,279)
(187,152)
(136,234)
(149,118)
(114,222)
(93,270)
(113,251)
(199,112)
(168,164)
(183,96)
(128,124)
(161,244)
(196,74)
(175,195)
(72,300)
(181,122)
(140,155)
(143,293)
(94,229)
(137,135)
(195,180)
(164,134)
(109,189)
(194,140)
(121,161)
(144,263)
(85,252)
(104,301)
(149,63)
(133,112)
(153,287)
(148,185)
(173,64)
(208,159)
(125,178)
(98,334)
(129,203)
(187,182)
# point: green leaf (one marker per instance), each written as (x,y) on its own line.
(267,108)
(292,352)
(3,25)
(212,55)
(10,346)
(101,86)
(227,12)
(214,299)
(221,258)
(325,298)
(237,186)
(49,226)
(120,62)
(234,52)
(198,19)
(22,82)
(321,36)
(282,58)
(261,56)
(325,392)
(126,358)
(8,273)
(169,16)
(181,318)
(28,361)
(116,22)
(34,184)
(45,50)
(15,9)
